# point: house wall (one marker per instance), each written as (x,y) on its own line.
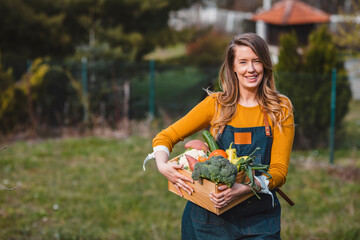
(222,20)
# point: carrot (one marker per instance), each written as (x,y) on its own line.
(192,161)
(197,144)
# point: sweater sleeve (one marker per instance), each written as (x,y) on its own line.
(281,150)
(195,120)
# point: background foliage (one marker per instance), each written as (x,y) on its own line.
(57,28)
(41,69)
(94,188)
(306,79)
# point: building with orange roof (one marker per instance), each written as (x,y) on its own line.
(290,15)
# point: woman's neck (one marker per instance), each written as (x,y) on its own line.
(248,99)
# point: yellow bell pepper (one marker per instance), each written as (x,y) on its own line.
(231,152)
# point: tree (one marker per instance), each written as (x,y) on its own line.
(133,28)
(309,85)
(67,30)
(39,28)
(33,29)
(11,111)
(289,57)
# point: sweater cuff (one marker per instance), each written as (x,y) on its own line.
(161,148)
(152,155)
(264,182)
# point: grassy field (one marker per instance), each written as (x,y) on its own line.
(94,188)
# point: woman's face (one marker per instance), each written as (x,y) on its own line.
(248,67)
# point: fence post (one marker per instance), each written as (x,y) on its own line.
(116,97)
(29,97)
(85,88)
(332,115)
(152,89)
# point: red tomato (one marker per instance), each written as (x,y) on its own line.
(218,152)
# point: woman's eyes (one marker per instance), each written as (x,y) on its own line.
(244,62)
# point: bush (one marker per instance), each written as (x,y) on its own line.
(12,99)
(306,80)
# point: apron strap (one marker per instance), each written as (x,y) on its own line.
(266,122)
(285,197)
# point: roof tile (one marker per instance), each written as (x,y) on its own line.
(292,12)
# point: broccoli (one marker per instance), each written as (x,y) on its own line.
(217,169)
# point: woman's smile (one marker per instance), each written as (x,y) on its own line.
(252,78)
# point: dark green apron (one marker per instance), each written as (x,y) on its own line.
(252,219)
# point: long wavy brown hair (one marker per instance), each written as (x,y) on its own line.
(268,97)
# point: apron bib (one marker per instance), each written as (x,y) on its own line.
(254,217)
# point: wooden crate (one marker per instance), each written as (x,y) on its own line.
(201,193)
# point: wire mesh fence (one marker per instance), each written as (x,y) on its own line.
(108,93)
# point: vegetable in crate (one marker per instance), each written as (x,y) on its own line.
(246,164)
(197,144)
(218,152)
(210,140)
(193,153)
(231,153)
(192,161)
(217,169)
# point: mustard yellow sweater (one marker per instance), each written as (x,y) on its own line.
(202,114)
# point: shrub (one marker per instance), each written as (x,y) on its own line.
(306,80)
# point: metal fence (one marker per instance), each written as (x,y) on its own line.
(107,93)
(76,92)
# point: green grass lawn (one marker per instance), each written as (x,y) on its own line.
(94,188)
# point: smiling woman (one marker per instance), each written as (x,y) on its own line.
(248,113)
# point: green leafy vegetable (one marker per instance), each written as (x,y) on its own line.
(217,169)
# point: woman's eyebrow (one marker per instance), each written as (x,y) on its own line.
(246,59)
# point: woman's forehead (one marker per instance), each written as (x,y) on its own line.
(242,51)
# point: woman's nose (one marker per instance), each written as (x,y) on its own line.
(250,67)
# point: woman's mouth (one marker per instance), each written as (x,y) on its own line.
(251,78)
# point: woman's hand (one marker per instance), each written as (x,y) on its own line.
(169,170)
(226,195)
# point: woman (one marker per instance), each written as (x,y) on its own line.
(250,113)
